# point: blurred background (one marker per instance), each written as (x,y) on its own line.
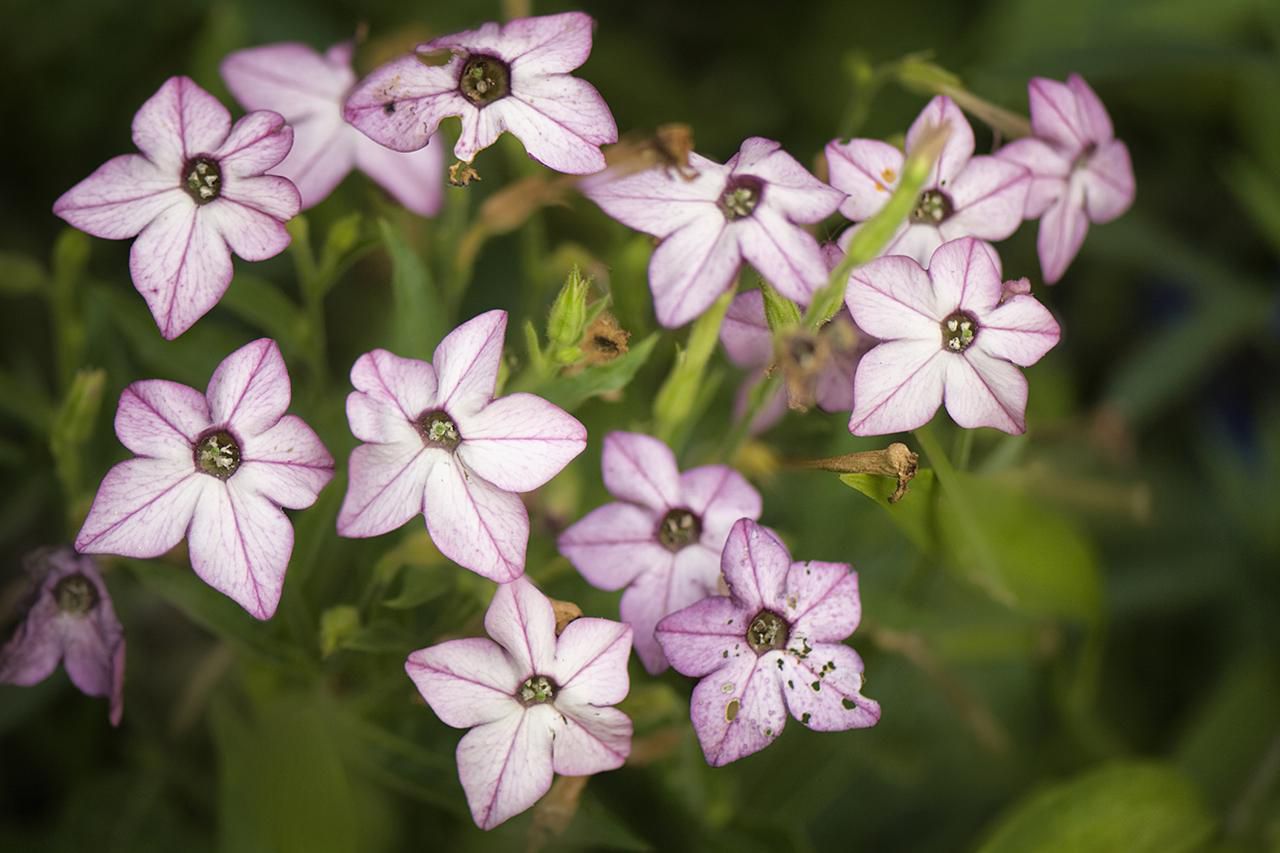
(1107,677)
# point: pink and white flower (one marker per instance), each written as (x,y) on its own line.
(774,645)
(954,333)
(195,194)
(308,88)
(964,196)
(437,443)
(662,538)
(1080,172)
(536,705)
(71,620)
(215,469)
(751,208)
(514,77)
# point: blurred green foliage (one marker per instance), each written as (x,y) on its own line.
(1072,633)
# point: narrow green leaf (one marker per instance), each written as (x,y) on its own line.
(261,304)
(569,392)
(418,313)
(20,275)
(676,397)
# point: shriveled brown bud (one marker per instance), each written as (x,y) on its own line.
(461,174)
(566,612)
(604,340)
(897,461)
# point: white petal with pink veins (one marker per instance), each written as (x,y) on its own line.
(590,666)
(739,709)
(640,469)
(958,147)
(391,393)
(121,197)
(520,441)
(466,363)
(868,171)
(521,620)
(897,387)
(178,122)
(240,545)
(161,419)
(823,690)
(142,508)
(287,463)
(250,390)
(474,523)
(692,267)
(985,391)
(181,266)
(505,766)
(386,486)
(466,682)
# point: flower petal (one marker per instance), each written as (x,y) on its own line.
(958,148)
(480,128)
(120,198)
(547,44)
(415,179)
(755,563)
(272,195)
(745,332)
(692,267)
(95,650)
(640,469)
(700,638)
(161,419)
(257,142)
(739,709)
(32,653)
(590,740)
(402,102)
(521,620)
(391,393)
(291,78)
(897,387)
(822,602)
(181,266)
(520,442)
(989,197)
(719,496)
(1062,231)
(613,544)
(475,524)
(1055,116)
(178,122)
(250,390)
(324,152)
(1020,330)
(824,690)
(590,666)
(1094,120)
(966,276)
(561,120)
(785,254)
(386,486)
(505,766)
(466,682)
(1049,170)
(659,201)
(868,171)
(683,579)
(893,298)
(790,192)
(250,233)
(985,391)
(240,545)
(1108,182)
(142,508)
(287,463)
(466,363)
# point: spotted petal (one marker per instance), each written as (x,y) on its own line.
(823,690)
(739,709)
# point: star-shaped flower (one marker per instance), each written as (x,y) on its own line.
(774,645)
(71,620)
(439,444)
(309,89)
(215,469)
(195,194)
(1081,172)
(535,704)
(964,196)
(662,538)
(513,77)
(953,333)
(750,208)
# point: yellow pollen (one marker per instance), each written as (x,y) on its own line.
(889,175)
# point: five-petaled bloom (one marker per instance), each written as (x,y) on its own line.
(513,77)
(195,194)
(953,333)
(308,89)
(964,196)
(752,207)
(215,468)
(1080,172)
(662,538)
(775,644)
(438,443)
(71,619)
(534,703)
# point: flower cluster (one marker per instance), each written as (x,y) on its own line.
(708,591)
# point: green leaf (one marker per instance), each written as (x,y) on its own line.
(418,321)
(72,426)
(914,514)
(569,392)
(20,274)
(1121,808)
(676,397)
(261,304)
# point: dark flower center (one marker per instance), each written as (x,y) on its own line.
(203,179)
(1085,155)
(75,594)
(217,454)
(485,79)
(741,195)
(678,529)
(438,430)
(768,631)
(537,690)
(932,208)
(958,331)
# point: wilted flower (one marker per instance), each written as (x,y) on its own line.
(309,89)
(194,195)
(775,644)
(214,468)
(965,196)
(71,620)
(750,208)
(535,704)
(662,538)
(1080,172)
(952,333)
(440,445)
(513,77)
